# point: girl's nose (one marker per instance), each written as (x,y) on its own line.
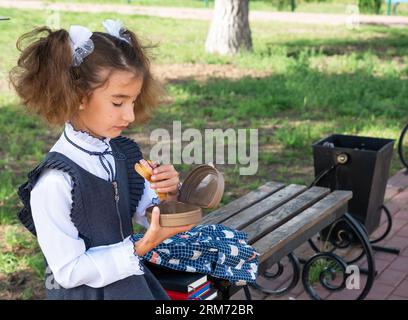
(129,113)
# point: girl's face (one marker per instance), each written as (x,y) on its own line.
(110,108)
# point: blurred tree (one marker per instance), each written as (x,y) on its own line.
(229,31)
(370,6)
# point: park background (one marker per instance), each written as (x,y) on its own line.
(301,82)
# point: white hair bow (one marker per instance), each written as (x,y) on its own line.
(115,28)
(81,43)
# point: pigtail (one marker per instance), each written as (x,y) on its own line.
(143,52)
(43,76)
(50,86)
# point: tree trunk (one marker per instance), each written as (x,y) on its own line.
(229,32)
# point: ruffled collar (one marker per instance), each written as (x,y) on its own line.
(85,140)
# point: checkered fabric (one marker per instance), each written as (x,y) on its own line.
(210,249)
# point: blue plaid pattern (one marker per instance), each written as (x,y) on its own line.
(210,249)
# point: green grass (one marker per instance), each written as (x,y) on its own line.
(323,270)
(317,81)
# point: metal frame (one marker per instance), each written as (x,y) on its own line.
(329,274)
(263,271)
(347,239)
(401,146)
(385,234)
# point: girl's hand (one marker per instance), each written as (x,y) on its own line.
(165,178)
(149,165)
(156,234)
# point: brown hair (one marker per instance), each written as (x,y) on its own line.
(51,87)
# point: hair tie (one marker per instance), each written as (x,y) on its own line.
(115,28)
(81,43)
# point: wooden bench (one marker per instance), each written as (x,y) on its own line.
(278,218)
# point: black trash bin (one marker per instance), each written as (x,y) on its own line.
(359,164)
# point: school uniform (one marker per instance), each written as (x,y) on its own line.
(79,202)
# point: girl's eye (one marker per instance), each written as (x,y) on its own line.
(120,104)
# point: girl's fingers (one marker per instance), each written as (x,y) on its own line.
(170,188)
(165,175)
(163,168)
(166,190)
(186,228)
(145,164)
(155,220)
(182,228)
(153,164)
(170,183)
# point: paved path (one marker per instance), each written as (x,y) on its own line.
(206,14)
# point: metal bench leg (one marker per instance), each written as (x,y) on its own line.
(372,241)
(263,271)
(385,234)
(247,293)
(324,267)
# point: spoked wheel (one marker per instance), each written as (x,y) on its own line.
(403,147)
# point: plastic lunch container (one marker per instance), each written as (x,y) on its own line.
(203,187)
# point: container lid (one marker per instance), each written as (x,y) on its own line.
(203,187)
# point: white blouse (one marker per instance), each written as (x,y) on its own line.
(72,265)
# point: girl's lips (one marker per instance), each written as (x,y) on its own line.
(120,128)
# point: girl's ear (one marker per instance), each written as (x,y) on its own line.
(84,101)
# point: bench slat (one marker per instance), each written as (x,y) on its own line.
(242,203)
(284,213)
(255,212)
(283,240)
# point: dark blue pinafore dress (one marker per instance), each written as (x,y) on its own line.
(102,213)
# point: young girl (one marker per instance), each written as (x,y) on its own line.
(80,200)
